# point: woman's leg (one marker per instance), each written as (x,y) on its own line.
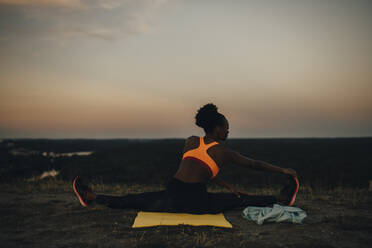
(149,201)
(219,202)
(179,197)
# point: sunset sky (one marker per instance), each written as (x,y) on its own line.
(141,68)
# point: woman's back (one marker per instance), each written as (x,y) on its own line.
(193,171)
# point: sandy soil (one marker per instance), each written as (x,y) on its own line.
(57,220)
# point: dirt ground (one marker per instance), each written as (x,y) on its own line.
(42,219)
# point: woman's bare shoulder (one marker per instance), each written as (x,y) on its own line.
(191,142)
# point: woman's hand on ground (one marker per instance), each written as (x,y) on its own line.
(289,171)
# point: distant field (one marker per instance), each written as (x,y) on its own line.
(319,162)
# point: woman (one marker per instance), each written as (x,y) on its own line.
(186,192)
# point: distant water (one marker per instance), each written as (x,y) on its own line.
(66,154)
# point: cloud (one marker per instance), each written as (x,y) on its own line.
(110,4)
(104,34)
(51,3)
(69,19)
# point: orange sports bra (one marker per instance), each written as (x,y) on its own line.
(200,155)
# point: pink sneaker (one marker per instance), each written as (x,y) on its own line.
(81,191)
(290,189)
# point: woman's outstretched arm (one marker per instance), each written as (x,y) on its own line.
(237,158)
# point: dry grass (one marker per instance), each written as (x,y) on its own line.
(31,209)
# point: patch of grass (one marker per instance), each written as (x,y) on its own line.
(54,185)
(48,185)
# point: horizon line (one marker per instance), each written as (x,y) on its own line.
(123,138)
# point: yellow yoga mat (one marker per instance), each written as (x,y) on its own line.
(147,219)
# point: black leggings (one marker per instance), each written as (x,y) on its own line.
(180,197)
